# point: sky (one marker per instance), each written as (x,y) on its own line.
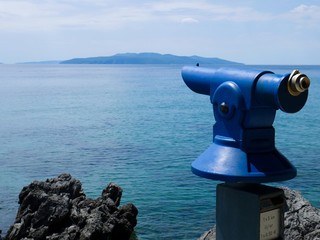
(246,31)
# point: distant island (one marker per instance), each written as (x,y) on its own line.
(41,62)
(148,58)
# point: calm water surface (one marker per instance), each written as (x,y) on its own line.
(138,126)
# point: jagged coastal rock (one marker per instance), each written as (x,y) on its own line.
(58,209)
(301,219)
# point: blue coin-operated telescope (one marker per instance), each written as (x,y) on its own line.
(244,105)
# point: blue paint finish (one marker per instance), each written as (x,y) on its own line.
(244,106)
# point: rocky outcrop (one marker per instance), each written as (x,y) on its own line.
(301,219)
(58,209)
(209,235)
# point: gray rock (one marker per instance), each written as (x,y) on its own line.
(59,209)
(301,219)
(209,235)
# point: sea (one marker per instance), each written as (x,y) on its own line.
(138,126)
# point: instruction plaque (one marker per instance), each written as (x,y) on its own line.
(270,225)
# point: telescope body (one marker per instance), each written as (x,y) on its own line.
(244,105)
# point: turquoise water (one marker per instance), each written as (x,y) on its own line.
(138,126)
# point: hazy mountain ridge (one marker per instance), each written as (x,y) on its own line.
(147,58)
(41,62)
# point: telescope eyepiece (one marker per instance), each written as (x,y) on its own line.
(298,83)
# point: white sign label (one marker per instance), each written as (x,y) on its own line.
(270,225)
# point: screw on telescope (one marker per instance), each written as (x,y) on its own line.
(224,108)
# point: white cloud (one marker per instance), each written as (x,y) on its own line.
(189,20)
(51,15)
(306,11)
(48,15)
(30,16)
(302,17)
(213,12)
(175,5)
(307,15)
